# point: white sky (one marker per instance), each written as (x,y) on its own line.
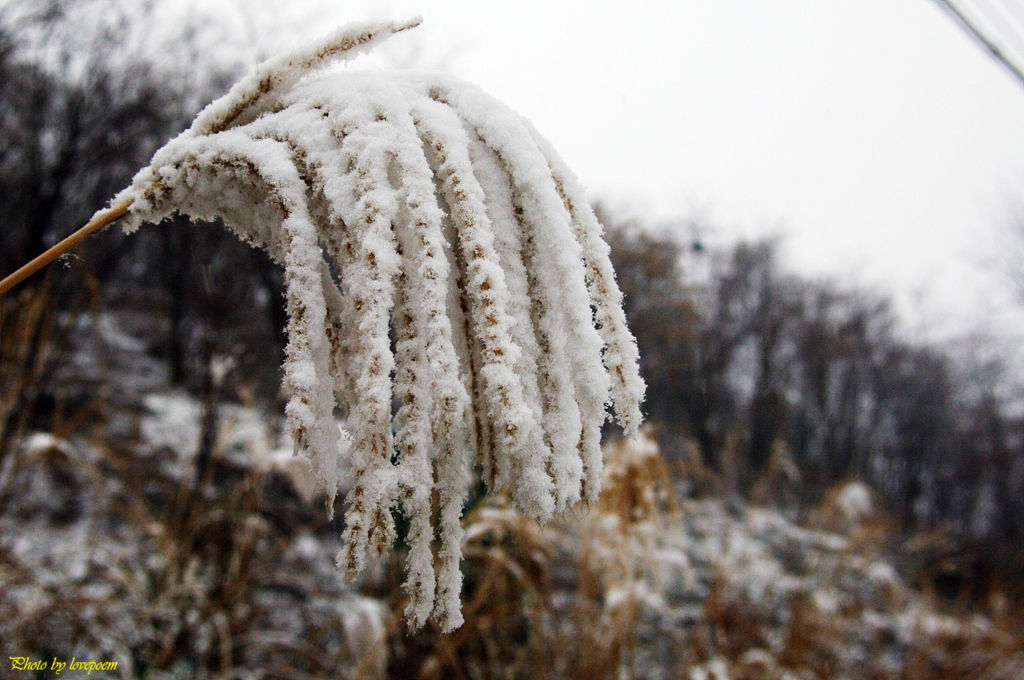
(882,142)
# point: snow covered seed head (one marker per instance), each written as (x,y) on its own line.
(415,203)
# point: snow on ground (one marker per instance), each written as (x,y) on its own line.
(100,556)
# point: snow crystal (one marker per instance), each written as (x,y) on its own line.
(826,601)
(716,669)
(882,573)
(854,501)
(42,442)
(172,423)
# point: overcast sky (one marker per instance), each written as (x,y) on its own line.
(874,135)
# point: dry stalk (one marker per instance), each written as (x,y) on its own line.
(95,225)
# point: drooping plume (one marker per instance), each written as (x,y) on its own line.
(439,256)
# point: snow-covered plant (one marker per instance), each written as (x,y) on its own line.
(439,256)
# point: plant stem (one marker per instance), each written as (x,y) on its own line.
(96,224)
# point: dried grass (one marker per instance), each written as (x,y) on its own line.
(107,551)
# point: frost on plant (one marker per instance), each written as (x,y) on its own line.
(438,255)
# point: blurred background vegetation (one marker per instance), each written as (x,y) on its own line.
(141,518)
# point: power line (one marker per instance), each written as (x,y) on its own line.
(982,26)
(994,50)
(1003,25)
